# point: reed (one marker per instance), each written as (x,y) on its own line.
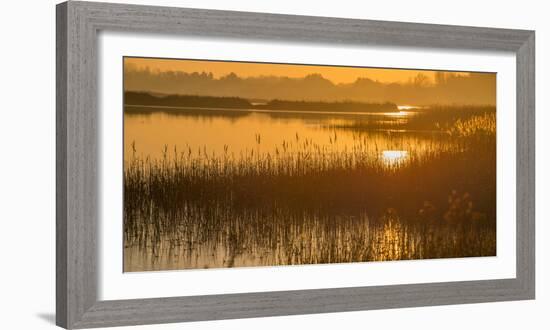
(301,202)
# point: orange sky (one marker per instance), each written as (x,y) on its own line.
(246,69)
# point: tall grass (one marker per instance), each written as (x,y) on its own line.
(302,202)
(436,117)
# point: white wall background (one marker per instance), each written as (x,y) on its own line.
(27,163)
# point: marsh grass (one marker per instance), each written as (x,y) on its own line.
(430,118)
(306,203)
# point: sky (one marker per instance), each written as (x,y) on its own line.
(336,74)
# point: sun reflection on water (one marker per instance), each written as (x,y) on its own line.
(394,157)
(398,114)
(408,107)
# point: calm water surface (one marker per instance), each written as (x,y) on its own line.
(234,131)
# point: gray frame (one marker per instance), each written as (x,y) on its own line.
(78,24)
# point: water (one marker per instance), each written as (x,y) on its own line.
(238,130)
(210,188)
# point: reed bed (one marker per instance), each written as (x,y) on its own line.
(301,202)
(440,118)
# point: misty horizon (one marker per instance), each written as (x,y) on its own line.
(442,88)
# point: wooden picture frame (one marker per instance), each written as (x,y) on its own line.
(78,24)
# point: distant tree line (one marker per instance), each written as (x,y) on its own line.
(445,88)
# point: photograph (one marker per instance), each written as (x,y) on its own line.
(249,164)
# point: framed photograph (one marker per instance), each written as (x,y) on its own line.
(217,165)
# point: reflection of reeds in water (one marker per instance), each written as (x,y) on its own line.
(307,203)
